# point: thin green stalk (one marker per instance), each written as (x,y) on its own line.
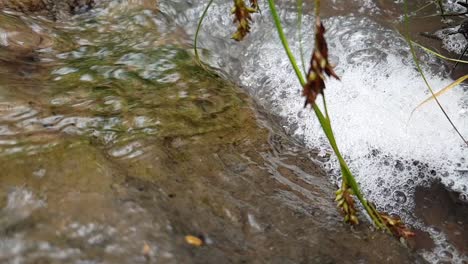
(325,107)
(423,7)
(461,56)
(348,178)
(200,22)
(418,66)
(441,6)
(299,30)
(317,8)
(438,54)
(282,37)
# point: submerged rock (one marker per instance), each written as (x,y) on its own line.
(444,210)
(232,188)
(56,9)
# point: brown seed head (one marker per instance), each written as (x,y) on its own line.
(319,65)
(243,18)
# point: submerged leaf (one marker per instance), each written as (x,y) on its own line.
(193,240)
(146,249)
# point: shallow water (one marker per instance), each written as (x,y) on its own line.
(115,144)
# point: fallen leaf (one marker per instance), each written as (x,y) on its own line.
(193,240)
(146,249)
(437,94)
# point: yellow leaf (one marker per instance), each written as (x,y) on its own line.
(449,87)
(438,54)
(193,240)
(146,249)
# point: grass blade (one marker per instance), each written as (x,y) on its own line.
(439,93)
(438,54)
(200,22)
(441,7)
(299,30)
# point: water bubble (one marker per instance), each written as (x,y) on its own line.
(450,183)
(388,208)
(399,165)
(463,197)
(399,197)
(380,182)
(445,255)
(386,192)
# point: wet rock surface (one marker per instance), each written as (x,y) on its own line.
(249,203)
(444,210)
(55,9)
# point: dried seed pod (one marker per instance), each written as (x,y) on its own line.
(345,201)
(319,66)
(254,5)
(243,18)
(397,227)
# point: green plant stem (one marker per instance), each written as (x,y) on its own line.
(325,107)
(418,66)
(317,8)
(200,22)
(441,6)
(299,30)
(438,54)
(284,42)
(423,7)
(348,178)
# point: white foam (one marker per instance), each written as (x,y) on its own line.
(452,41)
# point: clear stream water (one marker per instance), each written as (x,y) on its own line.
(114,144)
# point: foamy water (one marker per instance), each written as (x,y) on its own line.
(389,149)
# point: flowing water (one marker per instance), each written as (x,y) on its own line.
(114,144)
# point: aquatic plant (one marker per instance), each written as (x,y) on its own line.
(314,84)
